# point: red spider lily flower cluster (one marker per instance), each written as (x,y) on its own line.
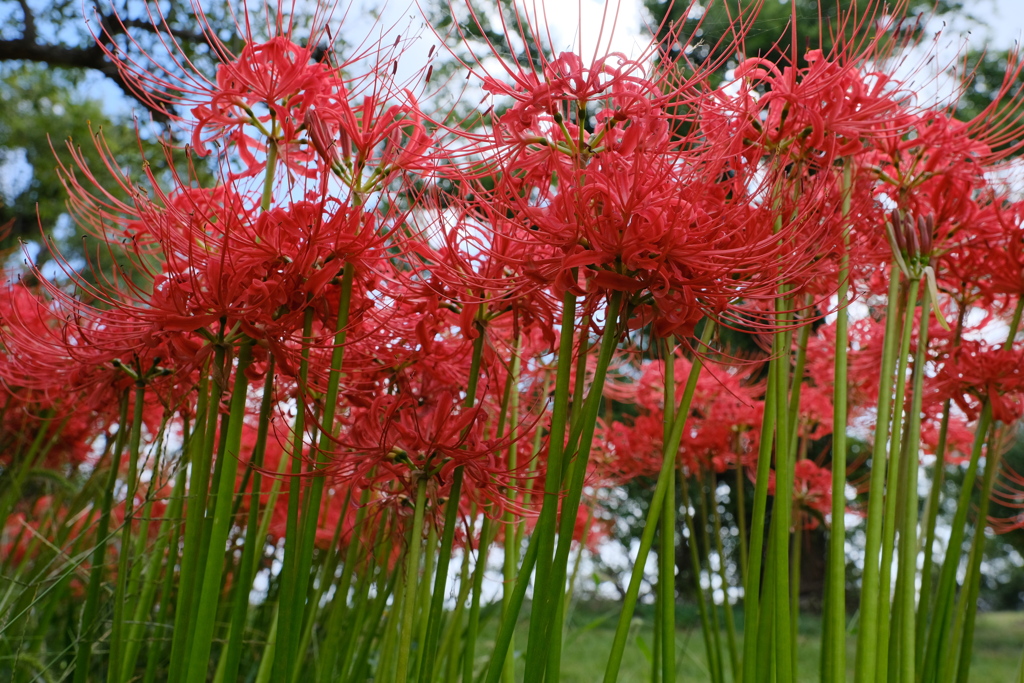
(584,183)
(363,307)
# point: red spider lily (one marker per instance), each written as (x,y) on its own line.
(269,86)
(421,430)
(1007,492)
(377,135)
(976,371)
(812,489)
(1004,258)
(721,428)
(826,111)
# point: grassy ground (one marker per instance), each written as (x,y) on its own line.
(999,639)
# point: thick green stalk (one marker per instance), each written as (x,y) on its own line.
(164,618)
(232,652)
(157,557)
(972,581)
(669,456)
(667,551)
(551,614)
(412,567)
(713,653)
(867,636)
(116,656)
(893,490)
(547,521)
(931,514)
(511,548)
(453,632)
(266,667)
(782,512)
(195,515)
(938,634)
(362,659)
(87,632)
(835,644)
(338,622)
(716,628)
(337,648)
(386,660)
(752,584)
(906,588)
(423,609)
(451,521)
(507,627)
(311,505)
(205,621)
(741,521)
(473,628)
(723,572)
(291,597)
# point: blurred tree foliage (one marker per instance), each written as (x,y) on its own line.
(57,85)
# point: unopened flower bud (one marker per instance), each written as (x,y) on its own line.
(321,138)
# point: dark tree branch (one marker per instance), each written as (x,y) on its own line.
(91,57)
(30,21)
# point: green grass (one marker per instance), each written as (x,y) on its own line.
(999,639)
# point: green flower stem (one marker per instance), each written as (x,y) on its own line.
(451,521)
(867,636)
(752,583)
(473,628)
(906,580)
(712,653)
(705,540)
(116,656)
(893,490)
(156,647)
(581,548)
(931,513)
(268,178)
(938,634)
(507,627)
(511,548)
(291,598)
(972,581)
(723,572)
(576,409)
(834,647)
(205,620)
(266,667)
(326,572)
(412,566)
(157,556)
(669,456)
(193,551)
(667,550)
(423,609)
(547,521)
(311,512)
(967,606)
(782,511)
(953,662)
(739,486)
(338,622)
(453,631)
(362,660)
(337,648)
(87,634)
(232,652)
(577,475)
